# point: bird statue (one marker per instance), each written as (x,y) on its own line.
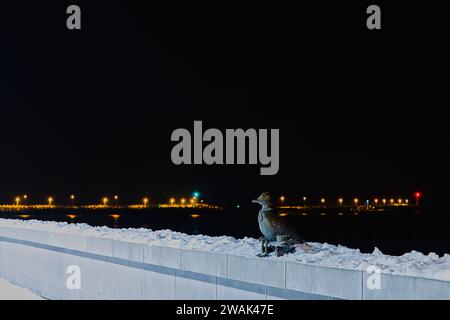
(272,226)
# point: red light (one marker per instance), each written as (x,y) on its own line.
(418,194)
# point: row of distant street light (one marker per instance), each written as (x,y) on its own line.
(105,201)
(50,200)
(356,201)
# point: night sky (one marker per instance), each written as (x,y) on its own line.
(90,112)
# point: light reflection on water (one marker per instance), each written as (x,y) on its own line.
(115,216)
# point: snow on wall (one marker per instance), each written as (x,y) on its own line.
(145,264)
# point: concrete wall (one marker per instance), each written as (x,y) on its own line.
(112,269)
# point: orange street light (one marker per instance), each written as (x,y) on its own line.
(304,200)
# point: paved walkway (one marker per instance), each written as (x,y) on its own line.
(9,291)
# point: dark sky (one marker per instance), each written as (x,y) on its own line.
(360,113)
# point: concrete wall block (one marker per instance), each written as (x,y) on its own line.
(228,289)
(286,294)
(25,234)
(76,242)
(157,286)
(445,289)
(339,283)
(18,266)
(16,233)
(14,275)
(204,262)
(257,270)
(48,263)
(38,236)
(6,254)
(334,282)
(39,284)
(236,268)
(128,250)
(99,278)
(162,256)
(9,232)
(57,239)
(42,261)
(127,283)
(66,264)
(191,289)
(100,246)
(2,259)
(395,287)
(299,277)
(14,257)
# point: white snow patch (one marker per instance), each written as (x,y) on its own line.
(322,254)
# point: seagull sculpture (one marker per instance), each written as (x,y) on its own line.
(272,225)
